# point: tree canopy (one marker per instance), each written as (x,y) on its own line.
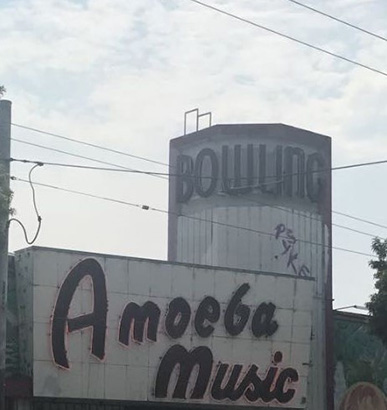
(377,305)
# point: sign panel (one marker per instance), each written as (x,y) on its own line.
(107,327)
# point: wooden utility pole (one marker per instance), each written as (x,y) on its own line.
(5,153)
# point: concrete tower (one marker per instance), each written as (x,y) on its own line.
(258,197)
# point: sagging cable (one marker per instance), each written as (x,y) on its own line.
(39,218)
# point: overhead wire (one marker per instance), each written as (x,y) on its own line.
(291,211)
(336,168)
(38,216)
(88,144)
(250,200)
(163,211)
(78,156)
(168,174)
(87,167)
(339,20)
(161,175)
(278,33)
(359,219)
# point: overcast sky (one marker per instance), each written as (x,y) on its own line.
(122,73)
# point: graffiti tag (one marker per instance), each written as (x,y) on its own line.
(288,241)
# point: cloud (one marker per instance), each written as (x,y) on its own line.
(123,73)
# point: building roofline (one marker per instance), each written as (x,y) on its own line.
(164,262)
(268,130)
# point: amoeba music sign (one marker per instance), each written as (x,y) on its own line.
(118,328)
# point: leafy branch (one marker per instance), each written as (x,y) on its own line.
(377,305)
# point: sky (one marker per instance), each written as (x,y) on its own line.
(122,73)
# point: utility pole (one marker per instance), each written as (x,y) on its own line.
(5,153)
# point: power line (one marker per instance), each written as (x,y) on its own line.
(88,167)
(88,144)
(360,164)
(77,166)
(79,156)
(160,175)
(339,20)
(71,191)
(314,219)
(304,43)
(38,216)
(337,168)
(355,230)
(360,219)
(129,170)
(163,211)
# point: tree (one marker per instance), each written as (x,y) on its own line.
(2,90)
(377,305)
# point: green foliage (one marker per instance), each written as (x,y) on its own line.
(363,356)
(377,305)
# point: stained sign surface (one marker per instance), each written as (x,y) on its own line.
(118,328)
